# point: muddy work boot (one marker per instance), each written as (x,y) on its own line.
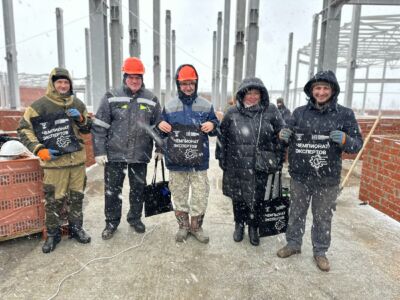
(78,233)
(253,236)
(322,263)
(197,231)
(108,232)
(287,251)
(138,226)
(184,226)
(53,238)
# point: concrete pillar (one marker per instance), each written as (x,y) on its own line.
(322,35)
(365,91)
(352,56)
(88,86)
(296,77)
(99,50)
(382,85)
(218,63)
(289,68)
(225,54)
(173,64)
(239,44)
(11,55)
(214,68)
(156,50)
(134,28)
(60,37)
(311,67)
(332,37)
(116,41)
(168,56)
(252,38)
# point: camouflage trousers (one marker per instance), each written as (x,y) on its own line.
(190,191)
(63,190)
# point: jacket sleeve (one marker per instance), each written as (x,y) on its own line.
(213,118)
(354,141)
(100,127)
(220,150)
(278,123)
(157,133)
(85,126)
(26,132)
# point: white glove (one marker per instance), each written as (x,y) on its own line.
(158,156)
(101,159)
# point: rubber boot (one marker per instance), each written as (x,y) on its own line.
(239,232)
(184,226)
(253,236)
(53,238)
(197,231)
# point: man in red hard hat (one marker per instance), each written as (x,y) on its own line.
(122,140)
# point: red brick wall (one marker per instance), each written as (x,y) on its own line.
(9,120)
(30,94)
(380,175)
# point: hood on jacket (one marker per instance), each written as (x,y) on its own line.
(325,76)
(248,84)
(185,98)
(51,91)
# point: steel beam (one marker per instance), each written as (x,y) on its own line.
(296,77)
(173,64)
(60,37)
(289,69)
(382,85)
(311,68)
(134,28)
(365,91)
(88,85)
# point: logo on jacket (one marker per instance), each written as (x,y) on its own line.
(63,141)
(176,132)
(44,125)
(299,136)
(317,161)
(192,133)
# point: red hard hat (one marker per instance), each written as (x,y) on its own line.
(133,65)
(187,73)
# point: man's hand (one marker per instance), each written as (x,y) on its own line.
(48,154)
(101,160)
(338,137)
(207,127)
(164,127)
(75,114)
(285,134)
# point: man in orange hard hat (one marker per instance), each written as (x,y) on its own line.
(122,140)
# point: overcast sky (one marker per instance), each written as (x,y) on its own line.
(194,22)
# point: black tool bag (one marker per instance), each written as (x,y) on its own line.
(185,145)
(274,214)
(55,131)
(157,196)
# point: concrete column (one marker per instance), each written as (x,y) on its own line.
(225,53)
(173,64)
(365,91)
(214,69)
(168,56)
(60,37)
(252,38)
(352,56)
(116,41)
(11,55)
(332,37)
(88,86)
(322,35)
(296,77)
(99,52)
(134,28)
(311,67)
(156,50)
(289,68)
(382,85)
(239,44)
(218,63)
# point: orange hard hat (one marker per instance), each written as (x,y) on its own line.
(133,65)
(187,73)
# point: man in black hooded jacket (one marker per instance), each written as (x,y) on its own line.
(318,133)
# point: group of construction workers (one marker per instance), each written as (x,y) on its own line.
(130,121)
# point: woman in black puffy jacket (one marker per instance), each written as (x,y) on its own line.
(253,124)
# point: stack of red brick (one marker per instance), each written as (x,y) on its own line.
(380,176)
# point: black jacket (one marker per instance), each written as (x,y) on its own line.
(237,140)
(332,116)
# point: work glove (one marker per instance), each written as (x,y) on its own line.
(158,156)
(48,154)
(285,134)
(338,137)
(101,160)
(75,114)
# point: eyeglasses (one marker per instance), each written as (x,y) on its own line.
(133,77)
(187,84)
